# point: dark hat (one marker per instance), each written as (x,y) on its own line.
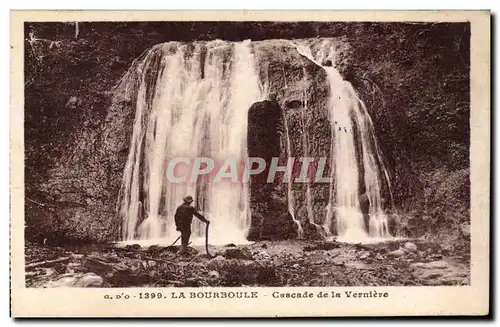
(188,199)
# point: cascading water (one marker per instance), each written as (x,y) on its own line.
(195,104)
(349,121)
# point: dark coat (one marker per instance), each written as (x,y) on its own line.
(184,216)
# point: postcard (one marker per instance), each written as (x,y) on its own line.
(250,163)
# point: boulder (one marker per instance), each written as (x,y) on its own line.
(396,253)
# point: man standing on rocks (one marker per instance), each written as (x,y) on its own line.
(183,219)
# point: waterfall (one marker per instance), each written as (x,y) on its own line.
(353,137)
(192,101)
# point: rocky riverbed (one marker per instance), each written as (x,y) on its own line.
(286,263)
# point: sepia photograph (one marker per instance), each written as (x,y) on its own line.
(223,157)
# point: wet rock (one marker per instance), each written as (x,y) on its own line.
(327,246)
(134,247)
(77,280)
(411,247)
(230,245)
(327,63)
(264,246)
(296,266)
(102,267)
(213,274)
(238,253)
(235,272)
(396,253)
(97,265)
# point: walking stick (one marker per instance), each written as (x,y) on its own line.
(178,240)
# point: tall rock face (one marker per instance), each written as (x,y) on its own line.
(301,88)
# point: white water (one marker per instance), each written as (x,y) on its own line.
(190,116)
(350,120)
